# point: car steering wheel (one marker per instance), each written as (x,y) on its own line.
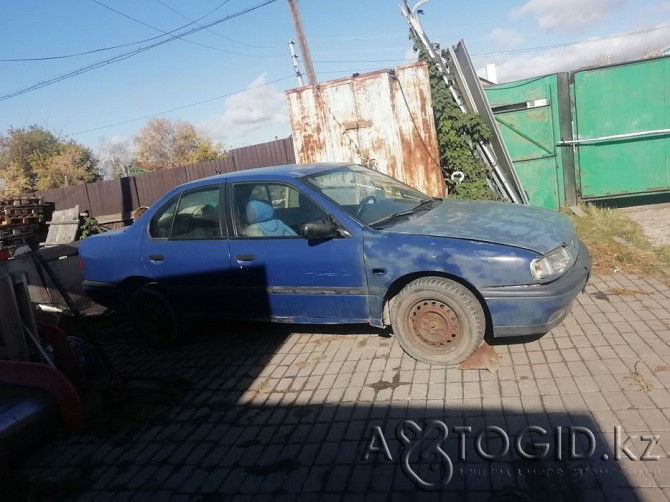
(370,199)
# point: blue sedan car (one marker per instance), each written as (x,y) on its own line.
(339,243)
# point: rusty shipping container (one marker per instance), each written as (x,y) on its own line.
(382,119)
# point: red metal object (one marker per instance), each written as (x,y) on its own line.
(49,379)
(64,358)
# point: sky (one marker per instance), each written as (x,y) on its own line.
(96,71)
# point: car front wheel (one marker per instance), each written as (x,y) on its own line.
(438,321)
(153,317)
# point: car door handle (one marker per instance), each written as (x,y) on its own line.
(156,257)
(245,257)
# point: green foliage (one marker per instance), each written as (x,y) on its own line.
(456,134)
(18,151)
(66,165)
(164,143)
(33,158)
(89,226)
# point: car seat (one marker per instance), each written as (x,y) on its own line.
(262,222)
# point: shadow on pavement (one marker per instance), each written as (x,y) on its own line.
(259,419)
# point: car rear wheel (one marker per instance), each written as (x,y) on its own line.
(438,321)
(153,317)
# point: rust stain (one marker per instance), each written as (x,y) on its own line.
(372,116)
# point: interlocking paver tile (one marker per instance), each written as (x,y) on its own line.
(273,414)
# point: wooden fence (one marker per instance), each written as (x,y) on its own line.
(114,200)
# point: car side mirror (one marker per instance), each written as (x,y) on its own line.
(319,229)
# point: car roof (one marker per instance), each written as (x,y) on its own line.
(286,170)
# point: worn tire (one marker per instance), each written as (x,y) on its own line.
(438,321)
(153,317)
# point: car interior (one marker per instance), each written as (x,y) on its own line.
(272,210)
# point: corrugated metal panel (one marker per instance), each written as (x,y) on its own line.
(67,197)
(493,151)
(209,168)
(263,155)
(382,119)
(289,151)
(151,186)
(113,196)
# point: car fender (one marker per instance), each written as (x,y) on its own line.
(392,260)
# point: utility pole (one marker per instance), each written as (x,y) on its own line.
(298,73)
(307,58)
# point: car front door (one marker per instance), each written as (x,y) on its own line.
(283,276)
(185,250)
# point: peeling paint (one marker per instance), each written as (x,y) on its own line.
(382,119)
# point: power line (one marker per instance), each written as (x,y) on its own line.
(360,60)
(567,44)
(137,20)
(128,55)
(66,56)
(513,51)
(165,32)
(209,100)
(219,34)
(102,49)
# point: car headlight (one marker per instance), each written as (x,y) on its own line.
(552,264)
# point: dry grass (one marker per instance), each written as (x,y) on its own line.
(598,228)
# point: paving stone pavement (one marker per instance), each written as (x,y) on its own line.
(273,414)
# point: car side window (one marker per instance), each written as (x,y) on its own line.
(161,223)
(197,215)
(271,210)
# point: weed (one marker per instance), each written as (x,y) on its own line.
(598,229)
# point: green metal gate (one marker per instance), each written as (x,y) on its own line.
(528,116)
(601,133)
(622,129)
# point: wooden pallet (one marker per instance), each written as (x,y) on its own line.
(19,218)
(21,210)
(21,201)
(14,221)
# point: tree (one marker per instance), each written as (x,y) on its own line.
(33,158)
(17,149)
(71,164)
(164,143)
(116,158)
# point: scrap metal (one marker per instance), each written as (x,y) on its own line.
(469,96)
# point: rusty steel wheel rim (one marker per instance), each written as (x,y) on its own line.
(434,324)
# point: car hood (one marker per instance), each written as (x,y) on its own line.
(533,228)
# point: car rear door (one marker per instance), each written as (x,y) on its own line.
(185,250)
(281,275)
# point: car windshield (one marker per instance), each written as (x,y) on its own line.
(370,196)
